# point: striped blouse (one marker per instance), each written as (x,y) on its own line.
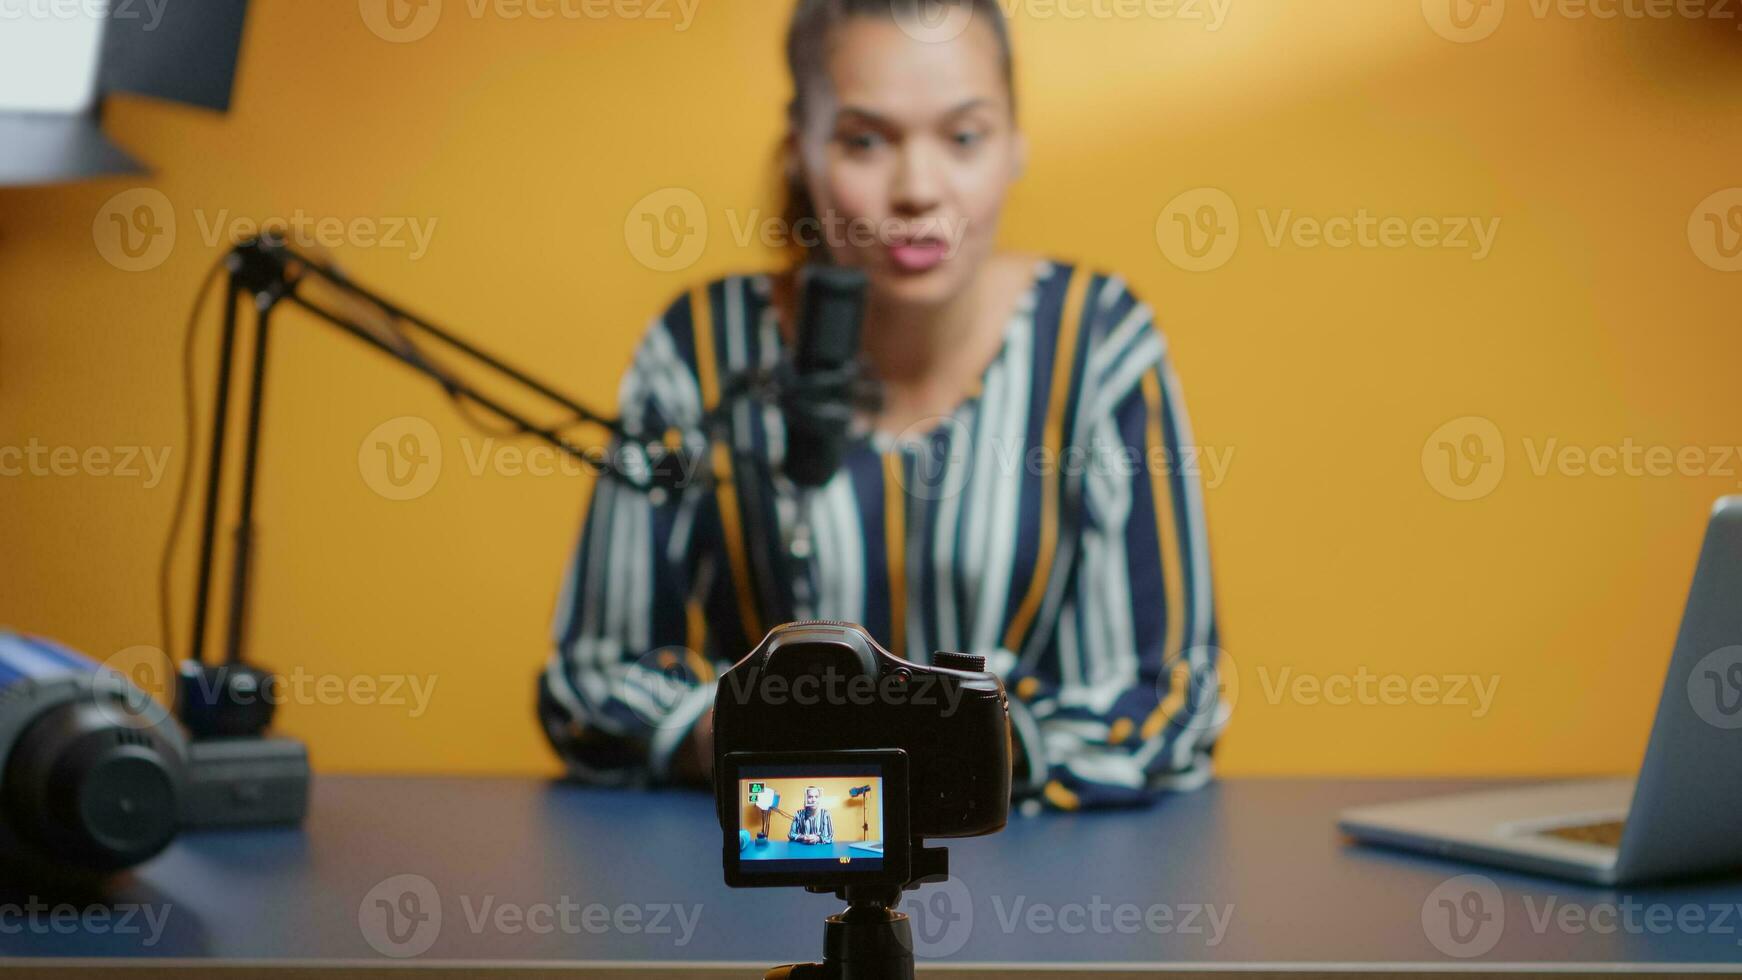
(1053,523)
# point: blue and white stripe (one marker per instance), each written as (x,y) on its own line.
(1088,588)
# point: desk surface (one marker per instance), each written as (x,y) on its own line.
(785,850)
(1247,873)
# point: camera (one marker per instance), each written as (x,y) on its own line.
(96,777)
(828,687)
(834,759)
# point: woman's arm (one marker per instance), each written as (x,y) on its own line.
(1124,703)
(624,690)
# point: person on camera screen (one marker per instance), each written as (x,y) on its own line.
(1027,490)
(811,824)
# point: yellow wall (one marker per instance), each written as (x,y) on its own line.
(848,814)
(1324,371)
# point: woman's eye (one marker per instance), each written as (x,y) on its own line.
(967,138)
(862,142)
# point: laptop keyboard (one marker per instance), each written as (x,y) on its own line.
(1607,833)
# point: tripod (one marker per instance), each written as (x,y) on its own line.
(870,939)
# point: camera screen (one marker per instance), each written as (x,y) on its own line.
(811,818)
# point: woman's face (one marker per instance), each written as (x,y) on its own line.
(909,152)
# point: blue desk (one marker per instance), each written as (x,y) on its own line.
(1246,876)
(785,850)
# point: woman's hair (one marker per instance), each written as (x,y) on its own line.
(807,53)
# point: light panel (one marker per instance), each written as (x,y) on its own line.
(48,54)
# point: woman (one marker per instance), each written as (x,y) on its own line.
(1012,496)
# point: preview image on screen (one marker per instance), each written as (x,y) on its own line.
(808,817)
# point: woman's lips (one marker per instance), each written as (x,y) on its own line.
(918,256)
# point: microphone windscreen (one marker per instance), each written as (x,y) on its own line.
(831,316)
(832,311)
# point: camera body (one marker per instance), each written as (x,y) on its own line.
(92,771)
(826,687)
(97,777)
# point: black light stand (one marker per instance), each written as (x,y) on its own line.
(226,700)
(864,797)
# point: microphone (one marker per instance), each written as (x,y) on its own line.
(817,406)
(859,791)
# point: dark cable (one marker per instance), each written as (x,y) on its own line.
(190,438)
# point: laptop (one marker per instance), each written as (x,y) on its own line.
(1679,817)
